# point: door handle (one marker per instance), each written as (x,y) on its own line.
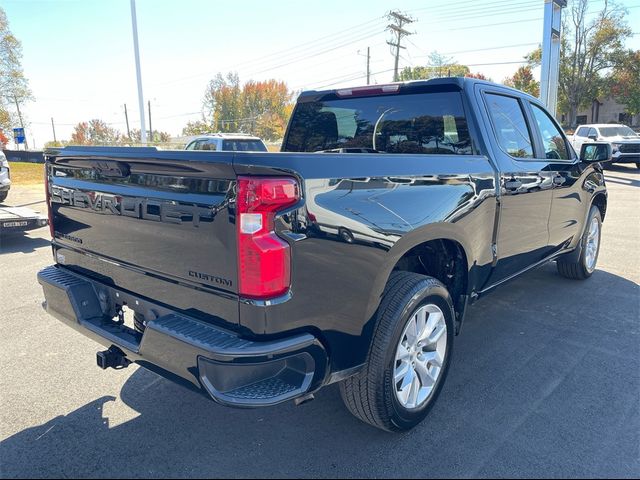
(512,184)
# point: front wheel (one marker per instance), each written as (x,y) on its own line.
(409,356)
(3,195)
(585,264)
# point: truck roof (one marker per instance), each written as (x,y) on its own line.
(457,83)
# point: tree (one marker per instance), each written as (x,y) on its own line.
(197,127)
(523,80)
(259,108)
(3,140)
(14,87)
(94,132)
(437,66)
(155,137)
(589,52)
(625,81)
(479,76)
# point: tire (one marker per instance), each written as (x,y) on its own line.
(138,322)
(3,196)
(585,265)
(372,395)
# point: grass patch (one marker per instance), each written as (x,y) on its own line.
(25,173)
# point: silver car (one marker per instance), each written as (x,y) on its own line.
(625,143)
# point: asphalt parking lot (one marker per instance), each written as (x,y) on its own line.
(545,382)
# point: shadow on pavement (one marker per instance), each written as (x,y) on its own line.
(21,242)
(544,383)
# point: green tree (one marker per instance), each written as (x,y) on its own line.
(14,86)
(524,80)
(197,127)
(437,66)
(94,132)
(625,81)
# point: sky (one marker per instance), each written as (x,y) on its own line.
(78,54)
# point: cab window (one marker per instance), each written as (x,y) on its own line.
(510,125)
(555,146)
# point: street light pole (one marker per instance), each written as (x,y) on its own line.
(134,24)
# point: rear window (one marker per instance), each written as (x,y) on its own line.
(427,123)
(244,146)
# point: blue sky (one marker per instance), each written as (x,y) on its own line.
(78,54)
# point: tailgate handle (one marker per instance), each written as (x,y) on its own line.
(112,169)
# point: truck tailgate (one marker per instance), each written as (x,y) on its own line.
(156,213)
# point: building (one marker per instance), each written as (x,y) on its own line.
(606,110)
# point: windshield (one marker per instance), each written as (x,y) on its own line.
(244,146)
(617,131)
(431,123)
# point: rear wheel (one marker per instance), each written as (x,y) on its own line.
(3,196)
(409,356)
(585,265)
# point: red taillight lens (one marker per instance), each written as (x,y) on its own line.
(47,194)
(264,262)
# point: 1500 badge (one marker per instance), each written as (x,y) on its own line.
(136,207)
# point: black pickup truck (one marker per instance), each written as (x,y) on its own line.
(349,257)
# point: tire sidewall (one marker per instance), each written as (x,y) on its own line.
(401,417)
(594,212)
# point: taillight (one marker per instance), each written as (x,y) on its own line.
(48,199)
(264,261)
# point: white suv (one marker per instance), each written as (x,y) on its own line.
(625,143)
(227,142)
(5,177)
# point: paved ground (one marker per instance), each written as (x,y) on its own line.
(545,382)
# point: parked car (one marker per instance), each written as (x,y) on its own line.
(260,278)
(227,142)
(5,177)
(625,143)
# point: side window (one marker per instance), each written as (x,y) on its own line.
(191,146)
(510,125)
(582,132)
(555,146)
(593,133)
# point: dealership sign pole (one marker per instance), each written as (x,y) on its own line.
(551,41)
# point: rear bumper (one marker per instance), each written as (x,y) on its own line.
(232,370)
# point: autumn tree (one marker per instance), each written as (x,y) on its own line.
(524,80)
(94,132)
(14,86)
(260,108)
(589,52)
(478,75)
(155,137)
(625,81)
(3,140)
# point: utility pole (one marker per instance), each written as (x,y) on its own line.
(126,118)
(399,20)
(368,63)
(134,24)
(15,99)
(53,127)
(551,38)
(150,129)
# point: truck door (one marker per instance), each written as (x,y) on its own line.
(526,186)
(568,208)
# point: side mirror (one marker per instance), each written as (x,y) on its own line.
(593,137)
(595,152)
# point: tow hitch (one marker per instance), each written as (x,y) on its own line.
(113,358)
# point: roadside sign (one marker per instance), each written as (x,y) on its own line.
(18,135)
